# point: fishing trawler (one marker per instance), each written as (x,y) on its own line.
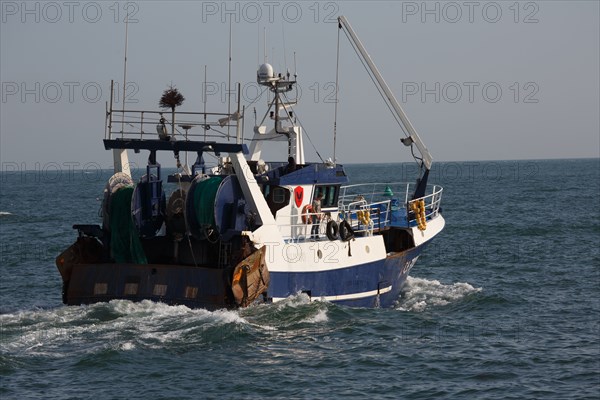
(245,230)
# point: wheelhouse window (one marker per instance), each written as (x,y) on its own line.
(330,195)
(277,197)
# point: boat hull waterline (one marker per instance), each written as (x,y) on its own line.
(374,284)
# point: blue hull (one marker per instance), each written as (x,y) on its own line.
(375,284)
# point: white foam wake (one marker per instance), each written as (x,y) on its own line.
(120,324)
(319,317)
(4,213)
(419,294)
(294,301)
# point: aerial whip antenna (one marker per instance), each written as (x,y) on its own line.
(284,52)
(229,83)
(265,42)
(204,101)
(258,46)
(125,72)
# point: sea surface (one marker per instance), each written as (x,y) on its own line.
(504,304)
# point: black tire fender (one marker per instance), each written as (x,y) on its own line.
(346,232)
(332,230)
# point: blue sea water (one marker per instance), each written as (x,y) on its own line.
(505,304)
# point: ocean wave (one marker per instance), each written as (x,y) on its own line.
(294,301)
(318,318)
(5,213)
(292,314)
(420,294)
(120,325)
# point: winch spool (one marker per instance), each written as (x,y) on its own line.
(200,205)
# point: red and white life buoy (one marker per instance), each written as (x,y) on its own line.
(306,214)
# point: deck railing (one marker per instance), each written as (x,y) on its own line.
(368,208)
(365,195)
(142,124)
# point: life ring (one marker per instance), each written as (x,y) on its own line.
(346,232)
(306,214)
(332,230)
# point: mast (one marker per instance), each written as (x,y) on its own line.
(120,156)
(124,73)
(413,136)
(280,112)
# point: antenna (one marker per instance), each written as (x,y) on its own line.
(229,83)
(238,138)
(243,121)
(204,101)
(337,70)
(284,52)
(265,43)
(295,69)
(125,72)
(265,51)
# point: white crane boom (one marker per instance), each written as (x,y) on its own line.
(426,156)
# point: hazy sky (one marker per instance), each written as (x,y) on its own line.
(479,80)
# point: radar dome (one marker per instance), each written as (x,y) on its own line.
(265,72)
